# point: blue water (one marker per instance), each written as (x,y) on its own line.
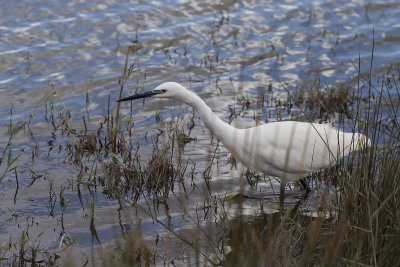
(81,46)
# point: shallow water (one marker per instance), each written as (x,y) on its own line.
(217,49)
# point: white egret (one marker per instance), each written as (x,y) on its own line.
(289,150)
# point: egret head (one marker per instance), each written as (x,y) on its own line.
(166,90)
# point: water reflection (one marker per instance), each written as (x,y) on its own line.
(224,51)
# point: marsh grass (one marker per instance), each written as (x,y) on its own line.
(356,220)
(321,103)
(8,159)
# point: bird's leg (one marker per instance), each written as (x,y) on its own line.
(305,185)
(282,194)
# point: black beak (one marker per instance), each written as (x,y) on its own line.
(137,96)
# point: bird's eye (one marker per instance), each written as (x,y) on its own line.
(163,91)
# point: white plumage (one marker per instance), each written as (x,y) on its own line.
(288,150)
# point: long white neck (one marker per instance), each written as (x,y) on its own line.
(222,130)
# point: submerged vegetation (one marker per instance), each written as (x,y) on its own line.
(351,218)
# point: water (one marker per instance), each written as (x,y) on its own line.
(217,49)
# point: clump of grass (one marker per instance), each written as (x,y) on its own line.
(160,173)
(7,155)
(324,102)
(130,179)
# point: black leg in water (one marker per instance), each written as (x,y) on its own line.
(305,185)
(282,194)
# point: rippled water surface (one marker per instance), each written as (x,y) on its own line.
(219,49)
